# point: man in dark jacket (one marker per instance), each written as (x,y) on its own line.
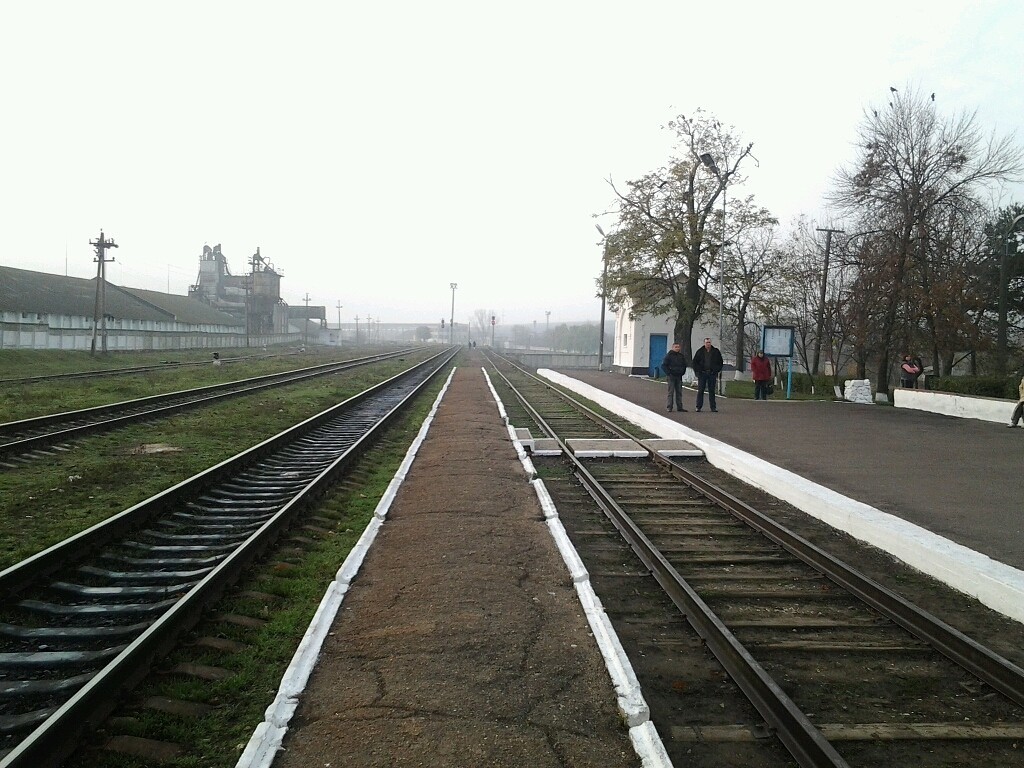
(707,364)
(674,366)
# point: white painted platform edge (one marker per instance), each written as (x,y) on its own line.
(268,736)
(995,584)
(629,697)
(649,746)
(524,457)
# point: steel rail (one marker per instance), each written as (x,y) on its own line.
(103,372)
(163,404)
(998,672)
(54,739)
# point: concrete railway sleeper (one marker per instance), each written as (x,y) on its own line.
(839,670)
(85,619)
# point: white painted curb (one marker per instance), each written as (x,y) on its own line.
(267,737)
(631,703)
(520,451)
(995,584)
(994,409)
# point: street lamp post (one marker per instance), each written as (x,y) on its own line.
(821,300)
(604,297)
(711,165)
(1003,288)
(451,321)
(305,321)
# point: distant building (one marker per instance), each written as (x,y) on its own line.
(255,299)
(43,311)
(641,341)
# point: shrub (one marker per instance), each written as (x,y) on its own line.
(802,383)
(982,386)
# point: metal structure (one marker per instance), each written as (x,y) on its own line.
(254,297)
(604,299)
(100,314)
(451,321)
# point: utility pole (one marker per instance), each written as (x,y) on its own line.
(821,300)
(305,320)
(547,328)
(604,296)
(451,321)
(1001,322)
(357,330)
(247,282)
(250,298)
(339,322)
(100,310)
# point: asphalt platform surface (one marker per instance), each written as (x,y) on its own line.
(962,479)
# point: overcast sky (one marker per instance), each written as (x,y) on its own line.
(376,152)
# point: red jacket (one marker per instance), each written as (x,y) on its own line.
(760,368)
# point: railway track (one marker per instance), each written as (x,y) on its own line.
(132,370)
(27,439)
(712,598)
(84,619)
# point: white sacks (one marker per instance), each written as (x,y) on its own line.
(858,391)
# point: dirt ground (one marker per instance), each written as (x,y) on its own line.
(462,641)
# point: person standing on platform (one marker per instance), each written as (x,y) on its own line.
(1018,411)
(707,364)
(916,360)
(761,373)
(909,371)
(674,366)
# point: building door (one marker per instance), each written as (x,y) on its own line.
(659,347)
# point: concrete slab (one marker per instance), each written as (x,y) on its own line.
(674,448)
(593,449)
(523,436)
(546,446)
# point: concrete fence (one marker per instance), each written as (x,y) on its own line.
(36,336)
(952,404)
(548,359)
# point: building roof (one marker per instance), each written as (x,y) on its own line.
(41,293)
(184,308)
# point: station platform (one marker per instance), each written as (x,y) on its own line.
(455,634)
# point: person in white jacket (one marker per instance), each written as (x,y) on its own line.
(1018,411)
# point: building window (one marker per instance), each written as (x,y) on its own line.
(625,339)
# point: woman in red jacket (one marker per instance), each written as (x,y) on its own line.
(761,372)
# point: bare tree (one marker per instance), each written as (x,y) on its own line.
(753,264)
(671,233)
(911,165)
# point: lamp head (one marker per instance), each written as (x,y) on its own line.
(709,162)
